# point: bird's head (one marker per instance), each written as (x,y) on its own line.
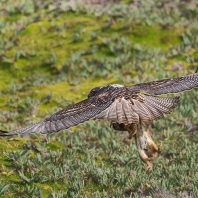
(94,91)
(99,90)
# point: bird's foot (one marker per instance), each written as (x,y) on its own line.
(132,129)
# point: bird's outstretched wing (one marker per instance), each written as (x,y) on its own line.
(71,116)
(173,85)
(116,110)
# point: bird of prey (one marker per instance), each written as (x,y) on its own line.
(129,108)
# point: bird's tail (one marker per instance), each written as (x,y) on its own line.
(154,108)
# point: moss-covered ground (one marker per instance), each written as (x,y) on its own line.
(52,56)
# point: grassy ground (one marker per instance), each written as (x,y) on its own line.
(51,57)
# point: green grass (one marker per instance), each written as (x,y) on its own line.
(52,58)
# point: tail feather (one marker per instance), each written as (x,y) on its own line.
(120,113)
(154,108)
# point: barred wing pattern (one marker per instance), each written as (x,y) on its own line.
(127,111)
(71,116)
(154,108)
(118,104)
(174,85)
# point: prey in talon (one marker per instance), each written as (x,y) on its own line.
(146,147)
(127,108)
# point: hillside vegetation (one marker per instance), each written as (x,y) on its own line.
(52,55)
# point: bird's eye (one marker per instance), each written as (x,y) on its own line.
(91,93)
(94,91)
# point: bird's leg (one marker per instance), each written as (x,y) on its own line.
(147,148)
(132,129)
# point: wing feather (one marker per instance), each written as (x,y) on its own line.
(173,85)
(142,110)
(153,107)
(71,116)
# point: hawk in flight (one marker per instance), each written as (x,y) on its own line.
(128,108)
